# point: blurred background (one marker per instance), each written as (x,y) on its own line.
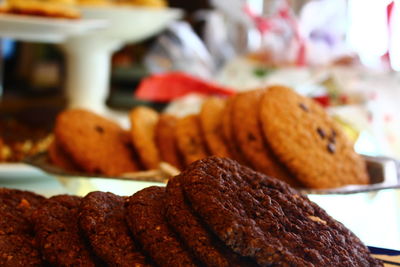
(345,53)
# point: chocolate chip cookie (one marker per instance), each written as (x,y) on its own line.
(250,140)
(210,121)
(166,141)
(308,141)
(96,144)
(58,157)
(190,139)
(264,219)
(227,132)
(145,216)
(102,219)
(143,122)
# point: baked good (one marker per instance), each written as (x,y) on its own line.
(190,139)
(210,121)
(102,220)
(44,8)
(227,131)
(203,243)
(307,140)
(264,219)
(166,141)
(58,157)
(249,138)
(96,144)
(145,216)
(17,243)
(58,235)
(143,122)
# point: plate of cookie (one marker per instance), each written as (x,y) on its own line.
(215,213)
(274,131)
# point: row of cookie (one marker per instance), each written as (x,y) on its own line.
(275,131)
(215,213)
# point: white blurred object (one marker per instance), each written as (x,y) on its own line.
(368,31)
(187,105)
(179,48)
(394,42)
(216,36)
(323,24)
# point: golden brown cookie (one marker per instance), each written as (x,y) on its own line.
(211,126)
(227,131)
(250,140)
(308,141)
(143,122)
(165,140)
(58,157)
(189,139)
(96,144)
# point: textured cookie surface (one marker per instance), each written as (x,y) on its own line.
(96,144)
(143,122)
(102,219)
(166,141)
(58,234)
(17,243)
(250,140)
(190,139)
(145,215)
(262,218)
(308,141)
(211,126)
(192,231)
(16,208)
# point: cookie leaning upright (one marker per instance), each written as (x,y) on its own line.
(189,139)
(143,122)
(145,217)
(308,141)
(17,241)
(95,143)
(249,138)
(102,221)
(58,234)
(166,141)
(210,122)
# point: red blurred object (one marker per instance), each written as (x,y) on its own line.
(172,85)
(323,100)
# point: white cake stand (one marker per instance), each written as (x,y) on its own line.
(46,30)
(89,56)
(89,43)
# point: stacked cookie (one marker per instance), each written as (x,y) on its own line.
(275,131)
(215,213)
